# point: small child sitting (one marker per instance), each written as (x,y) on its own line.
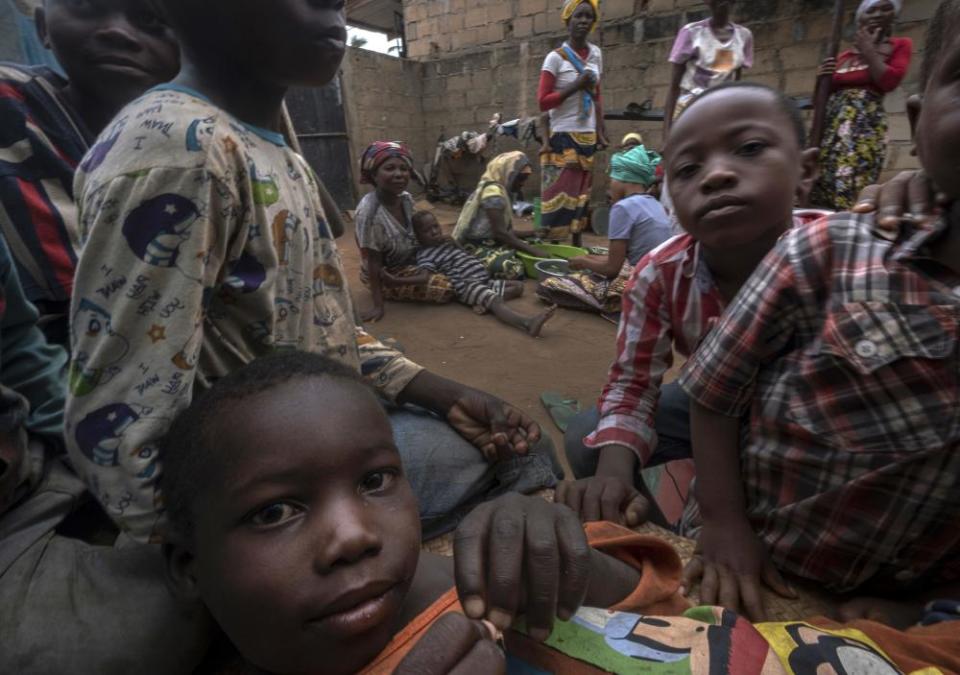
(292,520)
(471,280)
(842,350)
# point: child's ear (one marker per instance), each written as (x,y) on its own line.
(180,574)
(809,172)
(914,106)
(40,22)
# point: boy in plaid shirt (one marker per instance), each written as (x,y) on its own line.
(843,350)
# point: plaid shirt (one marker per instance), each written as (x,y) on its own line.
(669,304)
(843,347)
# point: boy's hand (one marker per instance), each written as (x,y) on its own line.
(908,196)
(497,429)
(454,644)
(732,565)
(522,554)
(604,498)
(578,263)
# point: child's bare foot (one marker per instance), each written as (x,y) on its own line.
(513,290)
(535,324)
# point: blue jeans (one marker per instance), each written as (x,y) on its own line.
(450,476)
(672,424)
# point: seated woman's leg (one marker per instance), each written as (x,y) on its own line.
(501,262)
(450,476)
(438,289)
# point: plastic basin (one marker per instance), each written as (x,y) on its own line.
(556,251)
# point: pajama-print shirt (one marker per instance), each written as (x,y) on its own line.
(843,347)
(204,246)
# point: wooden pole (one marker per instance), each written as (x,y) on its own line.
(330,208)
(822,93)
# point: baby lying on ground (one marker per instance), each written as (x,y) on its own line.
(471,280)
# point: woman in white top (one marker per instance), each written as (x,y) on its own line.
(570,91)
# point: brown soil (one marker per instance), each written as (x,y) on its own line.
(571,358)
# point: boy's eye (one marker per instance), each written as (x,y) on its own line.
(274,514)
(686,171)
(378,481)
(149,22)
(751,148)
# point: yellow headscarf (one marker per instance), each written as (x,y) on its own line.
(570,6)
(496,181)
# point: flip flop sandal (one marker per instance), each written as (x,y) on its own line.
(561,408)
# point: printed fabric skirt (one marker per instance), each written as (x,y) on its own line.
(566,179)
(586,291)
(501,262)
(853,149)
(438,290)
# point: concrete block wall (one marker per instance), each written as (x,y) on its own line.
(382,101)
(484,56)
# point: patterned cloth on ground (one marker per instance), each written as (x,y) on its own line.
(437,291)
(586,291)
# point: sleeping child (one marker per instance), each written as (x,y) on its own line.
(471,280)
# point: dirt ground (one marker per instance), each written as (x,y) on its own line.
(571,358)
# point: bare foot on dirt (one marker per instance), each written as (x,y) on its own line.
(535,325)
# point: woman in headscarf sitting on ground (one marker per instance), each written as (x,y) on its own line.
(853,150)
(485,227)
(385,235)
(638,224)
(570,91)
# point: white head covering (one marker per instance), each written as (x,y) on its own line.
(867,4)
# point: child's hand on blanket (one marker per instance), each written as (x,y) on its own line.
(455,644)
(732,565)
(521,554)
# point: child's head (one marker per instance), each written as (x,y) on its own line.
(632,171)
(111,50)
(290,515)
(427,229)
(280,43)
(936,121)
(736,165)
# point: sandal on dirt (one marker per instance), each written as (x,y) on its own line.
(562,409)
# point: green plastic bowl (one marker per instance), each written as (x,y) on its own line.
(556,251)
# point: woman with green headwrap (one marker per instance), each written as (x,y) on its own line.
(638,224)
